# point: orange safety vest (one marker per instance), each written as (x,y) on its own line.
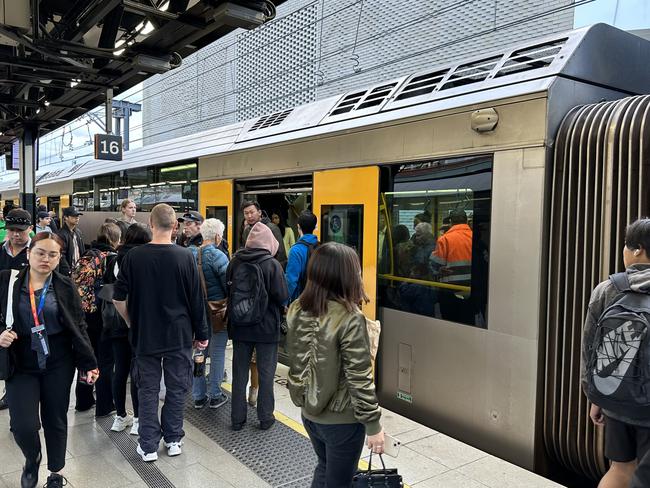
(454,252)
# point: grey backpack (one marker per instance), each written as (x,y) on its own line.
(618,372)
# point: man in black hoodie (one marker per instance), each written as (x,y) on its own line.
(253,214)
(72,240)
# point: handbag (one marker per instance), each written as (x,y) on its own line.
(6,359)
(216,309)
(386,478)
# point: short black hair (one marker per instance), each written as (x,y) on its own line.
(248,203)
(637,235)
(41,208)
(458,216)
(307,221)
(8,208)
(424,217)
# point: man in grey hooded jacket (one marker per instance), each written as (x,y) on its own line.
(627,440)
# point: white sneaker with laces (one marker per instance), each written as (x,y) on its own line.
(135,426)
(252,396)
(173,448)
(121,423)
(147,456)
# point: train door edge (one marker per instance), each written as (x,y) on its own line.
(216,200)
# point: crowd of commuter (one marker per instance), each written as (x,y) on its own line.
(146,305)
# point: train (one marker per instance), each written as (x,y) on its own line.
(542,146)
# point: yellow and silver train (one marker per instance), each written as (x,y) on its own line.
(542,146)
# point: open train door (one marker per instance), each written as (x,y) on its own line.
(345,202)
(216,201)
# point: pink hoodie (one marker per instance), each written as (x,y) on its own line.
(261,237)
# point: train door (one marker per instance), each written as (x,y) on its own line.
(345,202)
(216,201)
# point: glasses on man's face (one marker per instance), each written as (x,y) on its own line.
(40,254)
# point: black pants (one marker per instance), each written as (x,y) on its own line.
(267,361)
(50,391)
(338,448)
(147,371)
(102,346)
(641,478)
(122,355)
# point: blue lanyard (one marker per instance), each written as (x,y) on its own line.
(41,304)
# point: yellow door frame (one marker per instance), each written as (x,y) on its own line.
(354,186)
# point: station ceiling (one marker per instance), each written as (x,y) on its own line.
(57,57)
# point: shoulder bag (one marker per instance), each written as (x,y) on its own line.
(216,309)
(6,359)
(386,478)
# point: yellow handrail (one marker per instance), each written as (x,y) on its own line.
(432,284)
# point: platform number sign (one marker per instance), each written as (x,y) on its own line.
(108,147)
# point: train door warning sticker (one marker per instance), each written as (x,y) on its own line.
(405,397)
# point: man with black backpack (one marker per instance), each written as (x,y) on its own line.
(257,292)
(615,373)
(300,253)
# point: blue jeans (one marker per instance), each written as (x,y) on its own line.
(338,448)
(217,352)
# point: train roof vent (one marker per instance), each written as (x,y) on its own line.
(469,73)
(270,120)
(532,57)
(422,84)
(363,102)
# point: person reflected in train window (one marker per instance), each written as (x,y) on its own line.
(288,237)
(414,264)
(299,254)
(330,365)
(73,242)
(253,214)
(451,263)
(400,238)
(55,223)
(191,222)
(627,438)
(43,220)
(128,210)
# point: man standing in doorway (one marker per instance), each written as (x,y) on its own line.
(72,240)
(162,336)
(300,253)
(253,214)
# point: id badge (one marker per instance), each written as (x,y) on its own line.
(38,330)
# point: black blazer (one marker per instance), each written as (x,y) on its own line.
(67,252)
(71,314)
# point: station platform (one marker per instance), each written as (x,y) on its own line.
(215,456)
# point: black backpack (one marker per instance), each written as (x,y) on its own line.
(303,273)
(248,299)
(618,369)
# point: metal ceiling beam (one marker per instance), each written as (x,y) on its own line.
(139,8)
(90,19)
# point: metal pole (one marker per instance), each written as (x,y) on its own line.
(118,126)
(28,160)
(109,110)
(127,114)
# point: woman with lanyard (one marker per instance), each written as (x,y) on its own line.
(45,329)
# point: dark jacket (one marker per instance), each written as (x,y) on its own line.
(214,266)
(268,330)
(330,367)
(67,252)
(19,261)
(71,315)
(109,278)
(281,255)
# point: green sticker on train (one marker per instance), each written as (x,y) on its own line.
(405,397)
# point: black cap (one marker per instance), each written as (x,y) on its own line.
(42,215)
(191,216)
(71,212)
(18,219)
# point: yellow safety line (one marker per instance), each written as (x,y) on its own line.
(298,427)
(432,284)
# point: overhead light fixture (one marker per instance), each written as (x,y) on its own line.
(139,27)
(178,168)
(164,6)
(177,182)
(119,52)
(158,184)
(148,28)
(119,42)
(38,110)
(139,186)
(74,82)
(152,64)
(237,16)
(47,103)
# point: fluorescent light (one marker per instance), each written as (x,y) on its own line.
(178,182)
(74,82)
(47,103)
(119,52)
(140,26)
(158,184)
(113,189)
(194,181)
(148,28)
(178,168)
(139,186)
(164,6)
(38,110)
(119,42)
(124,187)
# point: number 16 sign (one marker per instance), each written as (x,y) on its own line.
(108,147)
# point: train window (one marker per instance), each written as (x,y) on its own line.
(434,224)
(344,224)
(220,213)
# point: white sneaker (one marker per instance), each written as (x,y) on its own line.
(121,423)
(147,456)
(252,396)
(135,426)
(173,448)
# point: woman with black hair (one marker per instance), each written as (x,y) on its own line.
(44,327)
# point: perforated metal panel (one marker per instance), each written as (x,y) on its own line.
(601,162)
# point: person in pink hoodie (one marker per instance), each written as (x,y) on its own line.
(257,292)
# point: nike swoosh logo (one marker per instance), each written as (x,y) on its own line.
(607,385)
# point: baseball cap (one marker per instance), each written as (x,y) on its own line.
(71,212)
(19,219)
(191,216)
(42,215)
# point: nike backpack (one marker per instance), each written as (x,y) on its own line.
(248,299)
(618,369)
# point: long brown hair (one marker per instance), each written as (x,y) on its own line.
(333,273)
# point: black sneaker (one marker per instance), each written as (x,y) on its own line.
(237,427)
(219,401)
(199,404)
(55,481)
(267,424)
(3,402)
(29,478)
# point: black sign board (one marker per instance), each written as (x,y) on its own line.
(108,147)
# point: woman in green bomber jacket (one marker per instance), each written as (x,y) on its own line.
(330,368)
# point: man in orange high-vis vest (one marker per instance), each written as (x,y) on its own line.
(451,262)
